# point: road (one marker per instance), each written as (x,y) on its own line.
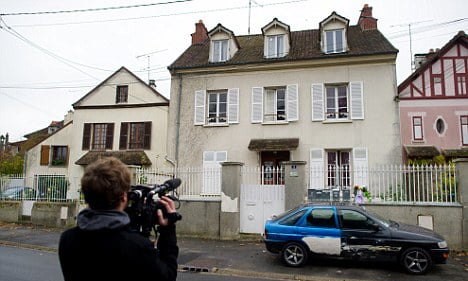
(17,264)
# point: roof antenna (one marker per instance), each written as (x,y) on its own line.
(250,6)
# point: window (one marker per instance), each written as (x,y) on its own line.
(334,41)
(464,129)
(417,128)
(354,220)
(59,155)
(217,107)
(276,46)
(440,126)
(461,85)
(220,50)
(336,102)
(437,81)
(121,94)
(292,220)
(321,218)
(136,135)
(275,105)
(338,174)
(98,136)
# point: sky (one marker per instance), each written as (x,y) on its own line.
(53,52)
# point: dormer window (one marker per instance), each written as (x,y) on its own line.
(275,46)
(334,41)
(333,34)
(223,44)
(220,50)
(121,95)
(276,39)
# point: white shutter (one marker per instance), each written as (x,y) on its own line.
(317,171)
(293,102)
(357,102)
(360,166)
(257,105)
(200,98)
(233,105)
(317,102)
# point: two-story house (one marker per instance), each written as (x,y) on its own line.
(434,103)
(325,96)
(122,117)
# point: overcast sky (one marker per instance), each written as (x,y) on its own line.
(49,59)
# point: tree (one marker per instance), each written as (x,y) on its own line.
(10,164)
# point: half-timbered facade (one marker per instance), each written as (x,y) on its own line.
(434,103)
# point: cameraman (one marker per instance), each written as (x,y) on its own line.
(101,246)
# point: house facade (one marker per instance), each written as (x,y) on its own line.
(434,103)
(325,96)
(122,117)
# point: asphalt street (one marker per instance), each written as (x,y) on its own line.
(238,260)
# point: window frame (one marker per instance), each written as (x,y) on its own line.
(59,155)
(218,118)
(276,46)
(337,114)
(464,129)
(121,95)
(128,138)
(333,48)
(272,94)
(220,50)
(416,126)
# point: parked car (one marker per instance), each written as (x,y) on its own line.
(18,192)
(352,232)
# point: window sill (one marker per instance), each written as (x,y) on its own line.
(276,123)
(216,125)
(418,141)
(334,121)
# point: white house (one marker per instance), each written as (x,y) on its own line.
(122,117)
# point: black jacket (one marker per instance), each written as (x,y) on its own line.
(102,247)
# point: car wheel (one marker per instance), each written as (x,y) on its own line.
(294,254)
(416,261)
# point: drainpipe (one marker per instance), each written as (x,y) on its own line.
(179,98)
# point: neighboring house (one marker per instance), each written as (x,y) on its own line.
(325,96)
(122,117)
(434,103)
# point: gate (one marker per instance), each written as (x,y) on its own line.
(257,204)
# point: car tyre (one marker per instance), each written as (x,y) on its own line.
(294,254)
(416,261)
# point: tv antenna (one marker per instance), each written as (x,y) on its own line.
(250,6)
(148,56)
(411,39)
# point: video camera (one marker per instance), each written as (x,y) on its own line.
(143,205)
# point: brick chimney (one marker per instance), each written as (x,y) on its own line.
(366,20)
(201,33)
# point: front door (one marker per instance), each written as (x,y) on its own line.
(273,170)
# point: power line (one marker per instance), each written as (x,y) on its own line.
(92,9)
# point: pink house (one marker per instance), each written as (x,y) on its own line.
(434,103)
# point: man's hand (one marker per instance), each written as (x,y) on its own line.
(169,205)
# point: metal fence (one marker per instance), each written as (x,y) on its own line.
(51,188)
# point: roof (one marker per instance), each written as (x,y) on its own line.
(460,37)
(108,78)
(421,150)
(273,144)
(304,46)
(138,157)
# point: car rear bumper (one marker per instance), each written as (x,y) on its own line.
(273,246)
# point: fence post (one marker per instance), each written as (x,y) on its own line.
(462,188)
(229,216)
(295,186)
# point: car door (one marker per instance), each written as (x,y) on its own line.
(319,231)
(362,236)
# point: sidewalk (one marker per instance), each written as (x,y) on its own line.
(244,258)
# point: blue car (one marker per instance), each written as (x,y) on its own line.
(352,232)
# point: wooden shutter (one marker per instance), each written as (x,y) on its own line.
(357,102)
(360,166)
(257,105)
(293,102)
(147,139)
(86,136)
(317,168)
(233,105)
(109,135)
(200,98)
(317,102)
(45,150)
(123,136)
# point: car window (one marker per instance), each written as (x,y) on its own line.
(354,220)
(321,218)
(292,220)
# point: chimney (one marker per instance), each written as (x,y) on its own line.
(201,33)
(152,83)
(366,20)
